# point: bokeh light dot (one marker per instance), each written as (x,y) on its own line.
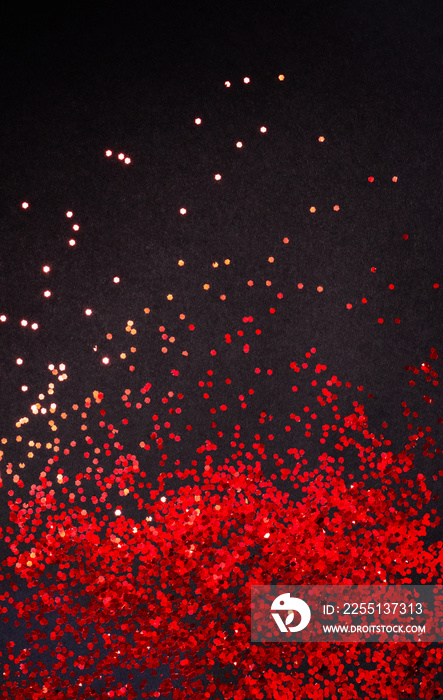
(182,211)
(239,144)
(108,153)
(116,280)
(76,227)
(72,242)
(47,293)
(197,121)
(69,214)
(23,322)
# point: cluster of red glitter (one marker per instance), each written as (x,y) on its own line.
(173,587)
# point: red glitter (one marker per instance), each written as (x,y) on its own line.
(159,589)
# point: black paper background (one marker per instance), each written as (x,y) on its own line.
(133,77)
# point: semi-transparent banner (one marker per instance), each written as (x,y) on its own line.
(347,613)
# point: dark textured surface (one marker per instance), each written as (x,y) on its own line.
(132,77)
